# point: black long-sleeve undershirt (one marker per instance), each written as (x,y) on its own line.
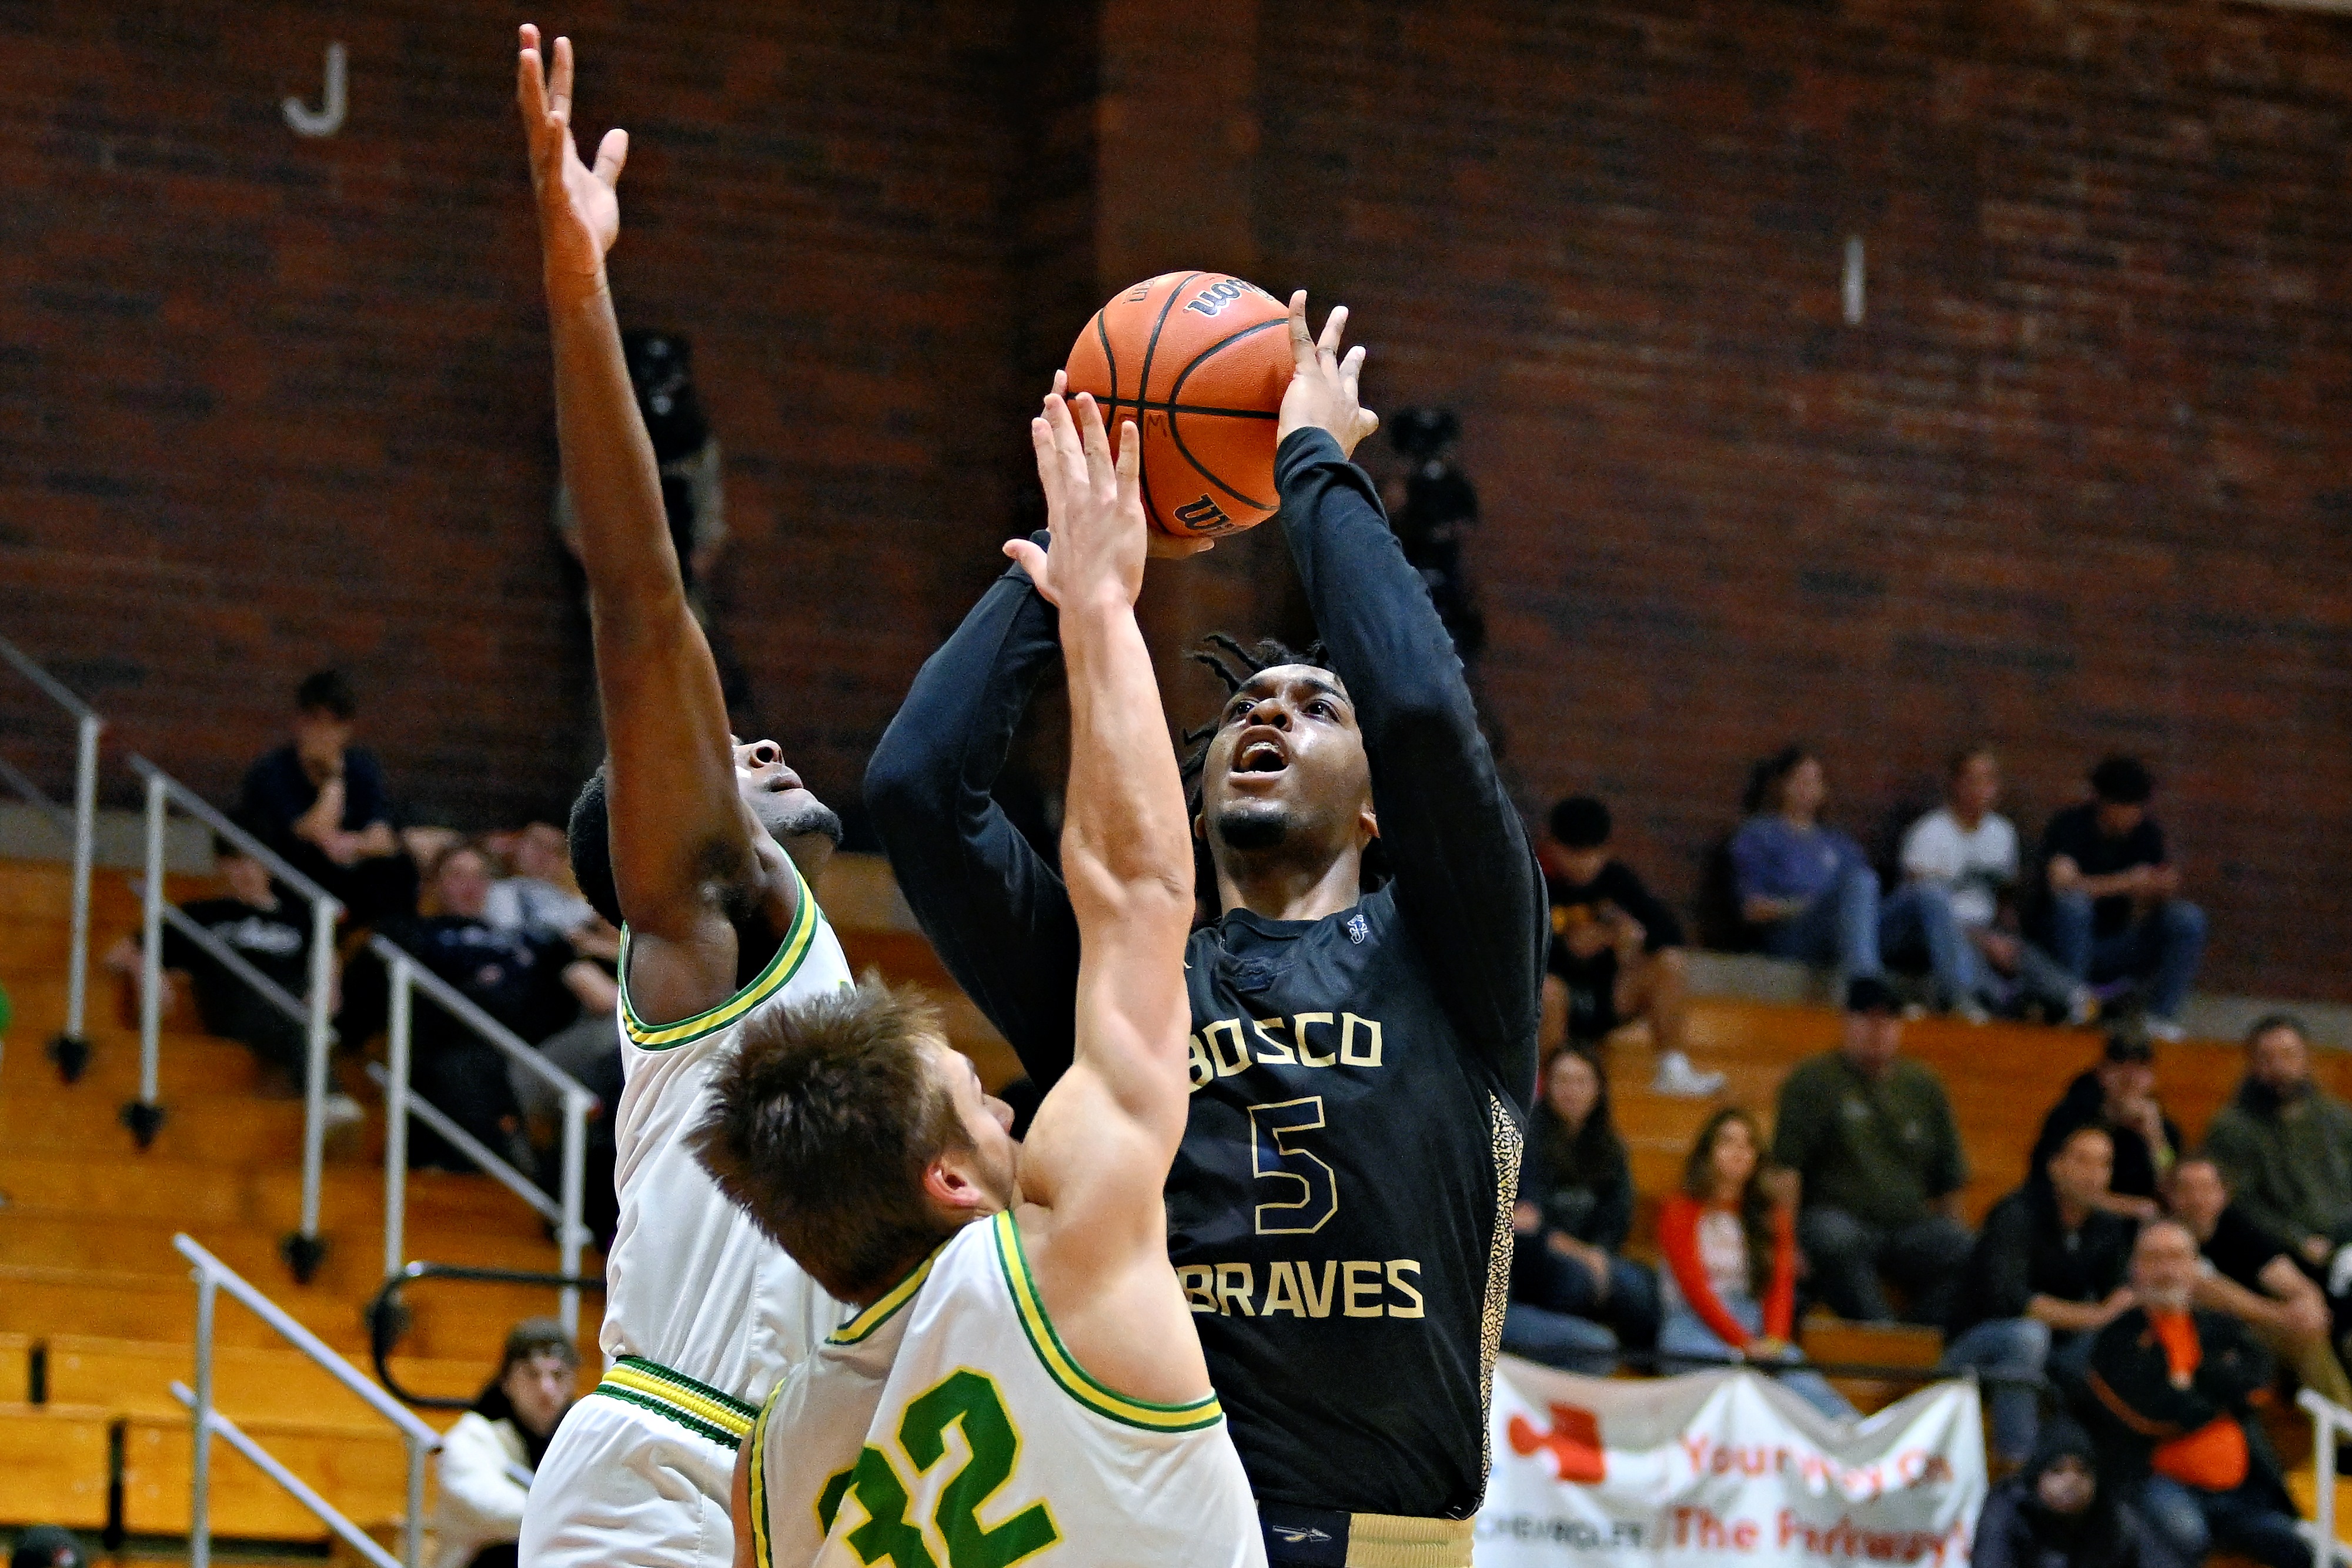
(997,913)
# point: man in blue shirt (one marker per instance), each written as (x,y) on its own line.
(321,804)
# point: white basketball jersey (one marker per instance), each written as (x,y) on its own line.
(945,1426)
(691,1285)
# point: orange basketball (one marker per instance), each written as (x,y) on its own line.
(1199,361)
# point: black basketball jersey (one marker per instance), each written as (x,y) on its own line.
(1339,1214)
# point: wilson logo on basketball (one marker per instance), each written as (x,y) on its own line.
(1215,299)
(1573,1443)
(1203,515)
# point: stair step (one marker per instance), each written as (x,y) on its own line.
(354,1265)
(360,1471)
(190,1197)
(54,1465)
(133,1377)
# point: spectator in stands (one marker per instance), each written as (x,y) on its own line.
(2119,1095)
(1967,851)
(1730,1251)
(1616,951)
(2283,1146)
(2250,1274)
(48,1546)
(2115,910)
(1573,1298)
(1871,1138)
(480,1514)
(271,934)
(540,897)
(2046,1275)
(2170,1384)
(2057,1513)
(320,803)
(534,986)
(1806,891)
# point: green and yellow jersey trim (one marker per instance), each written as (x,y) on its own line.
(762,1553)
(791,953)
(697,1406)
(1065,1370)
(887,1306)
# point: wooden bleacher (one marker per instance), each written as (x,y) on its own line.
(91,1294)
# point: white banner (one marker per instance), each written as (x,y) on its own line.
(1724,1469)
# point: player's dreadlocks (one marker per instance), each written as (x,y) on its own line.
(1235,664)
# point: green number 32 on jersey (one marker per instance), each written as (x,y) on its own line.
(887,1535)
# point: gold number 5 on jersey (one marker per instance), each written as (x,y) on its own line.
(1275,1155)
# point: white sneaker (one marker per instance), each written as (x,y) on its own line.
(1971,1012)
(2168,1031)
(1678,1078)
(340,1110)
(2082,1007)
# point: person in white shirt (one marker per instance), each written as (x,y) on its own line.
(1969,851)
(488,1457)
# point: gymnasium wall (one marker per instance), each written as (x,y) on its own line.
(2078,482)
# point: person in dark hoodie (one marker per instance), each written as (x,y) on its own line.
(2055,1512)
(2171,1386)
(2119,1095)
(1572,1293)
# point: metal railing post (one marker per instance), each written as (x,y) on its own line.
(87,730)
(144,1113)
(395,1116)
(304,1249)
(2323,1509)
(412,1529)
(200,1431)
(575,1186)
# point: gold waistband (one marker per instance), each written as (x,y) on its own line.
(1397,1540)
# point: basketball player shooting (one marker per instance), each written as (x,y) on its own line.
(1020,1292)
(695,844)
(1362,1047)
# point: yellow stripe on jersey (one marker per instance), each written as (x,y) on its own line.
(886,1307)
(1066,1371)
(697,1406)
(790,954)
(761,1552)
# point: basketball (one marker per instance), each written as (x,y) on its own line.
(1199,361)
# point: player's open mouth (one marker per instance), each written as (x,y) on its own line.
(1264,755)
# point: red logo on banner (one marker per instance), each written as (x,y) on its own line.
(1573,1442)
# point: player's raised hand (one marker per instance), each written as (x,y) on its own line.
(579,207)
(1094,508)
(1322,392)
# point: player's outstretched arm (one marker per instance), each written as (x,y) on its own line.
(1098,1154)
(686,850)
(1466,879)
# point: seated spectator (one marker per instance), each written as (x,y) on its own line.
(541,896)
(270,932)
(48,1546)
(2249,1274)
(2115,911)
(1870,1136)
(2283,1146)
(320,803)
(2056,1512)
(481,1515)
(1616,951)
(2169,1389)
(1968,851)
(1730,1281)
(1572,1294)
(2119,1095)
(1806,891)
(2046,1275)
(534,986)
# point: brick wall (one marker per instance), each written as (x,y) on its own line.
(2076,483)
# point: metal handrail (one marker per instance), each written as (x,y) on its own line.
(71,1048)
(145,1114)
(387,1319)
(211,1276)
(409,976)
(2329,1421)
(229,958)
